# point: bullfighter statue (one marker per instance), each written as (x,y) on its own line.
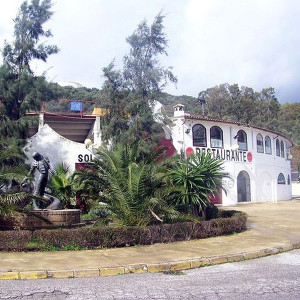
(42,165)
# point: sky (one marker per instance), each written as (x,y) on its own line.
(253,43)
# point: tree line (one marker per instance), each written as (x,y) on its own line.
(125,96)
(225,101)
(126,92)
(245,105)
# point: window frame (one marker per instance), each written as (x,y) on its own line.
(262,145)
(238,142)
(205,136)
(281,180)
(277,147)
(267,137)
(282,149)
(222,140)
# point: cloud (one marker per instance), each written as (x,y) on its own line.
(252,43)
(249,42)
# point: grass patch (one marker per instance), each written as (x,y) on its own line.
(88,216)
(49,248)
(33,244)
(70,247)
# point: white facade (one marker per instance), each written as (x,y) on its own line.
(257,173)
(57,148)
(254,173)
(296,189)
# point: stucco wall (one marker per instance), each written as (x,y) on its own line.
(296,189)
(57,148)
(263,169)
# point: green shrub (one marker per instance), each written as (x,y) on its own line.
(108,237)
(211,212)
(74,247)
(16,240)
(200,176)
(134,189)
(88,216)
(101,212)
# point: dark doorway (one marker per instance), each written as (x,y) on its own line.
(243,187)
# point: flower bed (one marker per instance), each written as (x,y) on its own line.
(106,237)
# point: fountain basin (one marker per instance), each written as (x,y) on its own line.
(43,219)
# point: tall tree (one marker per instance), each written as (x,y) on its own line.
(16,77)
(217,100)
(130,90)
(28,31)
(115,103)
(248,104)
(268,108)
(142,70)
(20,90)
(242,104)
(289,120)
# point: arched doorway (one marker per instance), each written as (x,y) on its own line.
(243,187)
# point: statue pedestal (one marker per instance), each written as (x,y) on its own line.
(56,217)
(44,219)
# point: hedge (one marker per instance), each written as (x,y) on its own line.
(107,237)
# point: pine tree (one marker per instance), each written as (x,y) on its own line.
(130,91)
(17,81)
(142,70)
(20,90)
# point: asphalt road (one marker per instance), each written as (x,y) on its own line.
(272,277)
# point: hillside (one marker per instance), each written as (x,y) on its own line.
(225,102)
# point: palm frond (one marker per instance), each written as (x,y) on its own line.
(201,178)
(130,185)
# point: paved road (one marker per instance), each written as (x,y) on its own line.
(271,225)
(272,277)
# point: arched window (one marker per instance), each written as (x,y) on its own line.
(277,147)
(287,151)
(289,179)
(260,143)
(242,140)
(199,136)
(268,145)
(243,187)
(282,148)
(216,137)
(281,179)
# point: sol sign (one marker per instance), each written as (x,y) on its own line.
(85,157)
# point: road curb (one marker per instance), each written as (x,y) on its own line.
(147,268)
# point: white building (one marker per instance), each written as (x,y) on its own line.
(61,138)
(257,160)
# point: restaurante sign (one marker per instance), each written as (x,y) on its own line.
(223,154)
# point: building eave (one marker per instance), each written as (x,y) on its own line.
(205,118)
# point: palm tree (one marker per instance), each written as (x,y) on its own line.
(12,171)
(60,184)
(135,191)
(201,178)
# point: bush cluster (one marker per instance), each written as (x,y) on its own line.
(106,237)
